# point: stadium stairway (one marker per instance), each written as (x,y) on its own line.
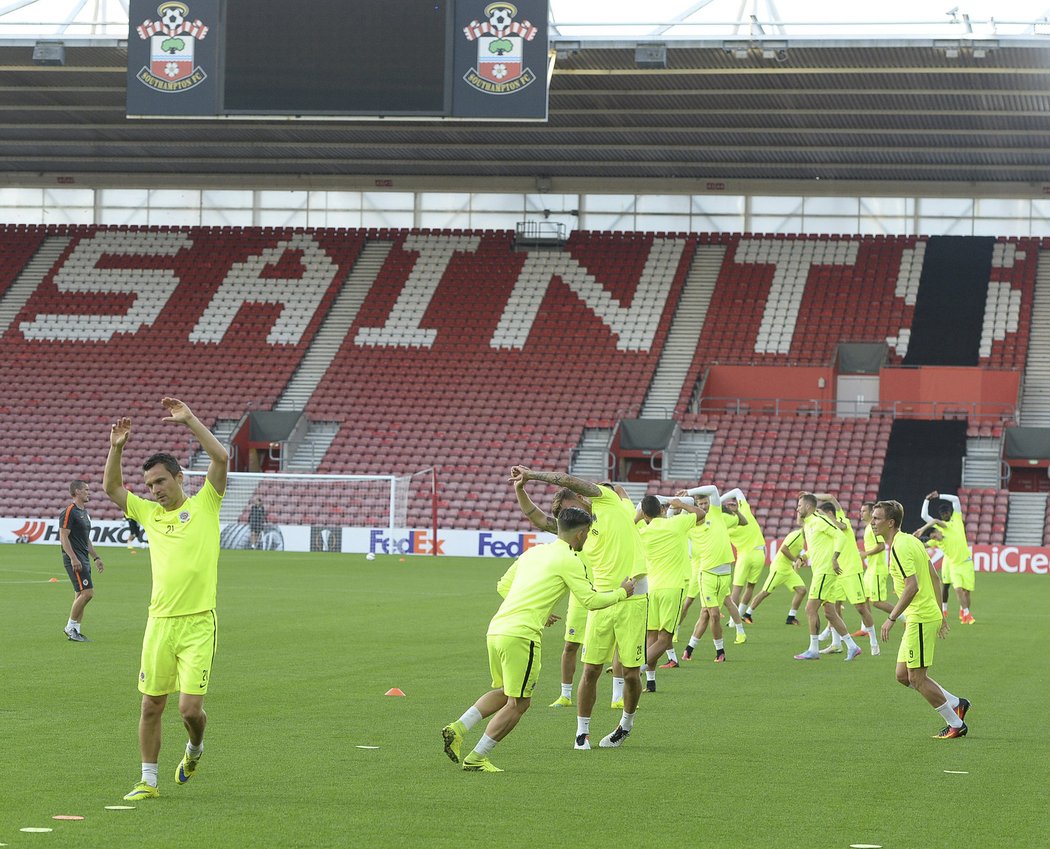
(982,464)
(922,456)
(688,454)
(590,458)
(25,263)
(949,315)
(1035,396)
(1026,518)
(334,328)
(672,368)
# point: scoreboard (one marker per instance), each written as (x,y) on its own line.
(365,59)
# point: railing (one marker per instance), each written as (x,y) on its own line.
(540,232)
(977,412)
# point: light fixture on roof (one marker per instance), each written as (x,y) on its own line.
(951,48)
(776,50)
(738,49)
(566,49)
(49,53)
(651,56)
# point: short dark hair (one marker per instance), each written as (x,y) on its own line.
(869,504)
(808,497)
(559,498)
(572,518)
(76,485)
(945,509)
(651,506)
(168,461)
(826,507)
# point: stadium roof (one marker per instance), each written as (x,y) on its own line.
(767,114)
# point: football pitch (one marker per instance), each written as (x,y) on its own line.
(303,749)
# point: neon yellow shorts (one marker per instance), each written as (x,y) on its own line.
(918,644)
(825,587)
(875,584)
(177,653)
(619,628)
(575,621)
(693,590)
(748,566)
(852,588)
(782,576)
(714,588)
(963,574)
(665,610)
(514,663)
(946,571)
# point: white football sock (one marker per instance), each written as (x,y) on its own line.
(149,774)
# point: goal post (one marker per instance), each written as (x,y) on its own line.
(309,512)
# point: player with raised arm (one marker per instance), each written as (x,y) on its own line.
(576,614)
(179,643)
(822,536)
(849,569)
(917,588)
(783,571)
(750,545)
(613,552)
(877,555)
(712,564)
(957,553)
(535,582)
(78,553)
(666,543)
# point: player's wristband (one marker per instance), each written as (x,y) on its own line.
(890,619)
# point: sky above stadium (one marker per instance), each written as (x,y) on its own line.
(628,20)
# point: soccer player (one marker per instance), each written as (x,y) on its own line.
(784,571)
(917,588)
(849,569)
(576,614)
(530,589)
(877,555)
(957,551)
(614,552)
(750,545)
(712,570)
(179,642)
(666,543)
(78,552)
(256,521)
(822,536)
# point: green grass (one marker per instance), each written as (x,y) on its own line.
(761,751)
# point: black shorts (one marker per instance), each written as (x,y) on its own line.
(81,581)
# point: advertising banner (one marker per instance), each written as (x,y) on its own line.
(1013,559)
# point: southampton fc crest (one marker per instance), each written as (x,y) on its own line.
(172,38)
(501,51)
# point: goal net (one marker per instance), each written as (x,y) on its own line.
(319,506)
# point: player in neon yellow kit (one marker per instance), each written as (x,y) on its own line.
(876,575)
(849,568)
(712,562)
(917,588)
(613,552)
(822,536)
(179,643)
(576,613)
(666,543)
(531,587)
(783,571)
(750,545)
(956,550)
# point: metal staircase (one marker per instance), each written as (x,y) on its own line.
(223,430)
(1035,398)
(335,327)
(689,455)
(981,465)
(680,346)
(1026,518)
(590,458)
(30,278)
